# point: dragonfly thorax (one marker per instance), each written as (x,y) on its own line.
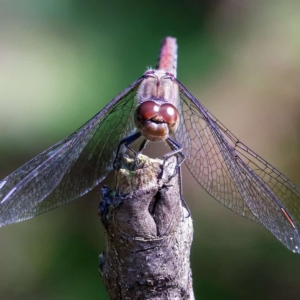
(158,85)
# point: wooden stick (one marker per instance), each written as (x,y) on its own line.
(147,238)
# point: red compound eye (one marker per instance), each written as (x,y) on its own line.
(147,110)
(169,113)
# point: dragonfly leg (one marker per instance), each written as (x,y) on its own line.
(177,151)
(141,148)
(126,142)
(186,206)
(178,171)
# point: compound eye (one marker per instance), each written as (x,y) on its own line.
(169,113)
(147,110)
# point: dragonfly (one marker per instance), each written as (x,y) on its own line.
(157,107)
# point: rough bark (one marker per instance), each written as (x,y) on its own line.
(148,234)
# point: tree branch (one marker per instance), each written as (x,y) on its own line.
(148,236)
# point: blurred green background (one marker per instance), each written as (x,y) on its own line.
(61,61)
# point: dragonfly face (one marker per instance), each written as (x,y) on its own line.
(155,106)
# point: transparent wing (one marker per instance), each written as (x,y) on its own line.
(236,176)
(71,167)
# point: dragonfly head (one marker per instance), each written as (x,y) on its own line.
(156,119)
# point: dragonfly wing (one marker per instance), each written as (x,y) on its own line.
(204,157)
(235,176)
(70,168)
